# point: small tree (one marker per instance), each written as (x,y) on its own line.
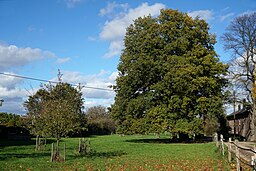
(55,111)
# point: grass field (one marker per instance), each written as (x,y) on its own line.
(114,152)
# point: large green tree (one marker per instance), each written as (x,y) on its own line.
(55,111)
(170,78)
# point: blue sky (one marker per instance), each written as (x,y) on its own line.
(83,38)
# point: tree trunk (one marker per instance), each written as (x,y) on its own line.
(52,154)
(253,137)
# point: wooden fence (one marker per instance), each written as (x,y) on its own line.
(244,155)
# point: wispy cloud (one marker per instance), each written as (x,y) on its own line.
(114,29)
(224,17)
(72,3)
(225,9)
(34,29)
(62,60)
(91,38)
(202,14)
(247,12)
(111,7)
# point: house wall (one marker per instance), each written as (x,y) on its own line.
(242,126)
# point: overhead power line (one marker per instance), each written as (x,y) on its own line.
(48,81)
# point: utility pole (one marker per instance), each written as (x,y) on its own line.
(253,136)
(234,103)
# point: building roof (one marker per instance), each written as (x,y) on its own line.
(242,113)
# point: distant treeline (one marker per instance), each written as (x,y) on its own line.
(11,126)
(98,121)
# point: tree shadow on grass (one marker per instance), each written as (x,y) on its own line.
(170,141)
(13,156)
(8,143)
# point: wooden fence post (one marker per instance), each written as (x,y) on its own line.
(252,162)
(229,150)
(253,158)
(222,144)
(216,139)
(52,156)
(237,157)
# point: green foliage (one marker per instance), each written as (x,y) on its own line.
(10,119)
(170,78)
(55,111)
(99,121)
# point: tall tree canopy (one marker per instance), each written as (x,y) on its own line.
(55,111)
(240,39)
(170,78)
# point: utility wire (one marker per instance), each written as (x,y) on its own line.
(42,80)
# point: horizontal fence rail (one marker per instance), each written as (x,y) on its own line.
(241,154)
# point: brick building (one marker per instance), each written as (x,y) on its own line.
(240,123)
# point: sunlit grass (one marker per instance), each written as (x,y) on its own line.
(115,153)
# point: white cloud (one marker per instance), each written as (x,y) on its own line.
(14,96)
(13,105)
(34,29)
(13,99)
(225,9)
(72,3)
(224,17)
(111,7)
(113,76)
(9,82)
(31,29)
(62,60)
(114,30)
(203,14)
(115,48)
(103,79)
(96,102)
(91,38)
(248,12)
(13,56)
(12,93)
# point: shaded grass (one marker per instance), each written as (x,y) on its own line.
(117,153)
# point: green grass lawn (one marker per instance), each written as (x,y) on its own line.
(114,152)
